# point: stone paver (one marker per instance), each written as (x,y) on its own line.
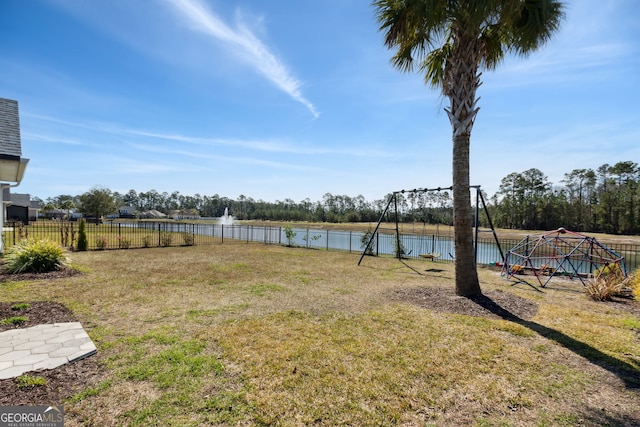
(42,347)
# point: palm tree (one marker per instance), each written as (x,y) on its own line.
(49,207)
(451,41)
(68,205)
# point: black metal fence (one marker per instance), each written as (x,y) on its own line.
(145,234)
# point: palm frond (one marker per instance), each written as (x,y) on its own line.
(492,40)
(533,24)
(434,66)
(420,31)
(413,27)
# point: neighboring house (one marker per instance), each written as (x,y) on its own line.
(54,214)
(127,212)
(152,214)
(185,214)
(16,206)
(35,206)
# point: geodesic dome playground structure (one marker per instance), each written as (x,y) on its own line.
(560,253)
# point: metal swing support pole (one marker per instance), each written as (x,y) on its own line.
(477,224)
(373,235)
(398,247)
(480,198)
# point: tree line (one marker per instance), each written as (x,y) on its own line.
(603,200)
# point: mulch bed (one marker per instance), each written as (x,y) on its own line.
(19,277)
(493,304)
(61,383)
(38,313)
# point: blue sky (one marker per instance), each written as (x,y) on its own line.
(290,99)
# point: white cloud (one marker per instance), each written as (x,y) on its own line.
(251,49)
(262,145)
(228,159)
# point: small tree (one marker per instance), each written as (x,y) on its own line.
(364,242)
(398,248)
(82,237)
(308,238)
(289,234)
(98,202)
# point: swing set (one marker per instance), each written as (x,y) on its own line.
(433,255)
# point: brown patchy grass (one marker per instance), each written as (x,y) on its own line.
(249,334)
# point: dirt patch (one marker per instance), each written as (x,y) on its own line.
(61,382)
(493,304)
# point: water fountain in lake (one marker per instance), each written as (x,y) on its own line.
(226,219)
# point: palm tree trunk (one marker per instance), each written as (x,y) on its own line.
(467,283)
(463,79)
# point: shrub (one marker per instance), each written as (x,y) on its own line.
(188,239)
(23,232)
(123,243)
(608,270)
(82,236)
(65,232)
(146,241)
(634,284)
(101,242)
(166,239)
(607,282)
(38,256)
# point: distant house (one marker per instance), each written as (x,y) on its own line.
(152,214)
(127,212)
(54,214)
(185,214)
(35,206)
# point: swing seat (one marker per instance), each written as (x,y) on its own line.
(430,256)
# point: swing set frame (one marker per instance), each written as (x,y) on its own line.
(393,198)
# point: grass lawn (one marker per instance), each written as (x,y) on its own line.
(249,334)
